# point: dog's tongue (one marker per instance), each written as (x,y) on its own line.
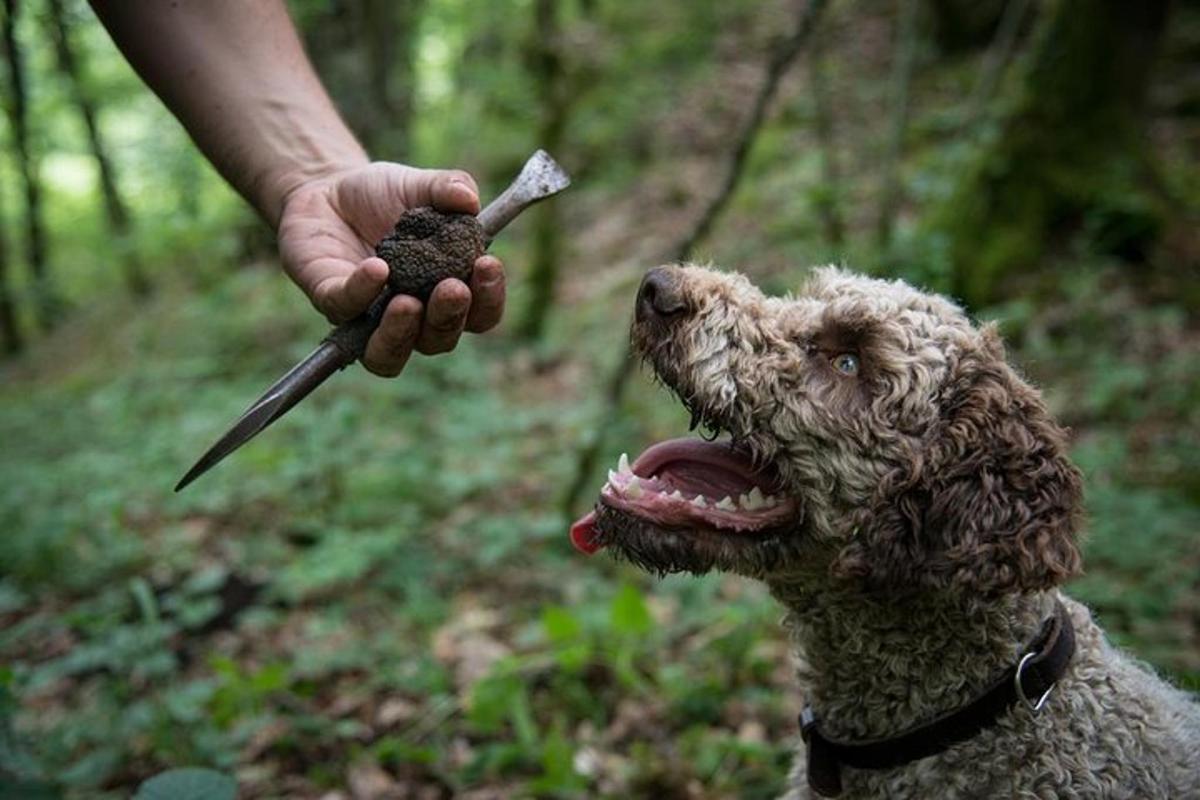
(584,533)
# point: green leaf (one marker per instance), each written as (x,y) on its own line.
(491,700)
(144,596)
(28,790)
(558,764)
(629,614)
(188,783)
(560,625)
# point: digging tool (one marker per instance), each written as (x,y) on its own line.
(541,177)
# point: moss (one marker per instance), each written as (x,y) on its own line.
(1070,155)
(429,246)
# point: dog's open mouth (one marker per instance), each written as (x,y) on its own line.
(691,485)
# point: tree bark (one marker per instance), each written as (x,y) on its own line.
(963,25)
(114,205)
(828,198)
(996,61)
(389,32)
(365,52)
(10,331)
(45,297)
(902,70)
(1071,151)
(550,78)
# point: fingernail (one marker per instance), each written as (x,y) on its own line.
(489,273)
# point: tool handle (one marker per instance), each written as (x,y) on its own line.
(351,337)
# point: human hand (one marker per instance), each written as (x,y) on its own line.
(327,232)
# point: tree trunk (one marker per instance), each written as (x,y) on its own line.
(963,25)
(996,61)
(365,52)
(546,59)
(1070,151)
(902,69)
(10,333)
(389,31)
(46,303)
(828,197)
(114,204)
(377,29)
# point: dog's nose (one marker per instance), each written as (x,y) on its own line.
(660,296)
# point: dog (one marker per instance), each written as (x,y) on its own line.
(908,498)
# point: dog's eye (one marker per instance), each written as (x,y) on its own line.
(846,363)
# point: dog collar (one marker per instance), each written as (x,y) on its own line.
(1028,682)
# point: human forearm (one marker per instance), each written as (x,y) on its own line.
(237,77)
(234,72)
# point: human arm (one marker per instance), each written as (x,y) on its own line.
(236,76)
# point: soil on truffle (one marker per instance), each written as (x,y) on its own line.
(427,246)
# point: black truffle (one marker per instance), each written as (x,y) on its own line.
(427,246)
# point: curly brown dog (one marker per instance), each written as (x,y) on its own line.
(907,497)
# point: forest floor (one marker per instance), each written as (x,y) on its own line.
(378,598)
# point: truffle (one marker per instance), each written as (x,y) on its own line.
(428,246)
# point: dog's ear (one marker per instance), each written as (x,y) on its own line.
(990,504)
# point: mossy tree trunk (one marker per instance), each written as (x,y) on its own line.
(45,297)
(1069,153)
(114,204)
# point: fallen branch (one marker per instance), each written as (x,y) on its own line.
(783,57)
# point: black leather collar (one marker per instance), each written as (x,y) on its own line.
(1029,681)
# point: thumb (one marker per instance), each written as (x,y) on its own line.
(444,189)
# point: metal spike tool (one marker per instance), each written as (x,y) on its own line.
(541,177)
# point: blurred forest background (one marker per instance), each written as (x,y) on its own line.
(377,598)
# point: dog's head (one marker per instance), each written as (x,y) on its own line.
(875,436)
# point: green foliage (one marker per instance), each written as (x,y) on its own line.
(382,585)
(188,784)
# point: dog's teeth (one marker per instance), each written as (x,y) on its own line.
(612,478)
(676,495)
(745,502)
(726,504)
(754,499)
(634,488)
(698,501)
(623,463)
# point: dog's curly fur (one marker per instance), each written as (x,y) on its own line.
(939,514)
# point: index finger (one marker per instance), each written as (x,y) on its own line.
(341,296)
